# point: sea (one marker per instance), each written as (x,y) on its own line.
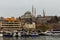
(32,38)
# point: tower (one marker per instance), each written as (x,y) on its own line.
(33,11)
(43,13)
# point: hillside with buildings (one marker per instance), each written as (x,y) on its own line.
(30,21)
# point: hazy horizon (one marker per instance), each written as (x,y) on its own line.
(17,8)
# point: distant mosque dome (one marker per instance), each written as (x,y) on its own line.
(27,15)
(28,12)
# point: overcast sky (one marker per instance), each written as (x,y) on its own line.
(17,8)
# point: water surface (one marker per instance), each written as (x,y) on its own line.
(31,38)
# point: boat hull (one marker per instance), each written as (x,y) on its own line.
(29,35)
(25,35)
(8,35)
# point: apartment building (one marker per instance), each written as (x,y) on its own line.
(10,24)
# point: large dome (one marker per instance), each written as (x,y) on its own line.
(27,15)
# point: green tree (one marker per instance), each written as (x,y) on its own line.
(44,27)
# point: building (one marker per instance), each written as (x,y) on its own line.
(29,26)
(27,17)
(28,21)
(10,24)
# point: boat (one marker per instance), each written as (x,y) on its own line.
(16,34)
(52,33)
(1,33)
(19,34)
(56,33)
(7,34)
(27,34)
(47,33)
(34,35)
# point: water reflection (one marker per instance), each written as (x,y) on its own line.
(31,38)
(1,38)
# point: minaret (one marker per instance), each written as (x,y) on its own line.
(33,11)
(43,13)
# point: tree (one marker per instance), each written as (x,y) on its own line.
(44,27)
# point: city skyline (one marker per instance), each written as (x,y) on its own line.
(17,8)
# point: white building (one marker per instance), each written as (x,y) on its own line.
(29,26)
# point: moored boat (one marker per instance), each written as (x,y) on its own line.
(47,33)
(27,34)
(56,33)
(8,34)
(16,34)
(34,35)
(1,33)
(52,33)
